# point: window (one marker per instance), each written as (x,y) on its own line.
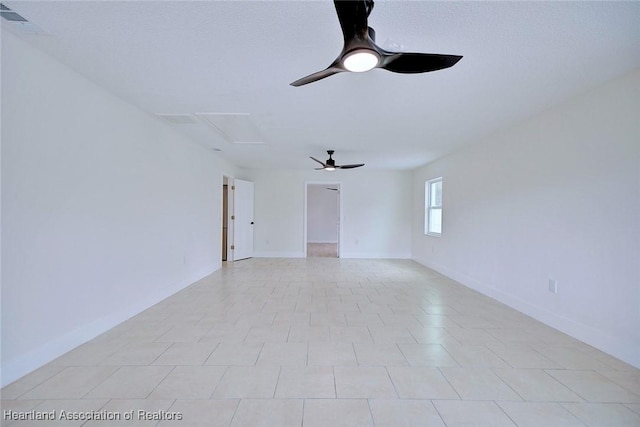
(433,207)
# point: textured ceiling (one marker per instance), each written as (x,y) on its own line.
(194,57)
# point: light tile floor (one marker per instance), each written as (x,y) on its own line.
(324,250)
(332,342)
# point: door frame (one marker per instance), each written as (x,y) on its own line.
(229,181)
(340,210)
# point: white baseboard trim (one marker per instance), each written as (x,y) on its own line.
(358,255)
(57,346)
(374,255)
(618,347)
(278,254)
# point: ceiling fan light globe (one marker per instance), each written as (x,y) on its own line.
(330,168)
(360,60)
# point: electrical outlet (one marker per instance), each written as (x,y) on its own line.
(553,286)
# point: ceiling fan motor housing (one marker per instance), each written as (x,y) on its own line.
(330,162)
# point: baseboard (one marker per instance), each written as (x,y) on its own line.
(615,346)
(58,346)
(276,254)
(355,255)
(323,242)
(374,255)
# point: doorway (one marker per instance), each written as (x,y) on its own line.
(227,225)
(322,220)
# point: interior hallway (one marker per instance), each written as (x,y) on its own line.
(335,342)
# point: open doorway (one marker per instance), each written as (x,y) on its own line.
(322,220)
(227,232)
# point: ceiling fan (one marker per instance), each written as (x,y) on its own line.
(330,164)
(360,53)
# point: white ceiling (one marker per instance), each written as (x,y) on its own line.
(194,57)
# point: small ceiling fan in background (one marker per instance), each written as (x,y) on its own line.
(360,52)
(330,164)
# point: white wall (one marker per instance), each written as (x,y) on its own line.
(555,197)
(322,214)
(376,212)
(105,210)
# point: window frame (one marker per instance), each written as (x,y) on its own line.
(429,208)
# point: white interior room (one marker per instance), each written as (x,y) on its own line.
(113,171)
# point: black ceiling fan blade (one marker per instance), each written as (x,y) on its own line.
(330,71)
(353,18)
(322,163)
(410,63)
(350,166)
